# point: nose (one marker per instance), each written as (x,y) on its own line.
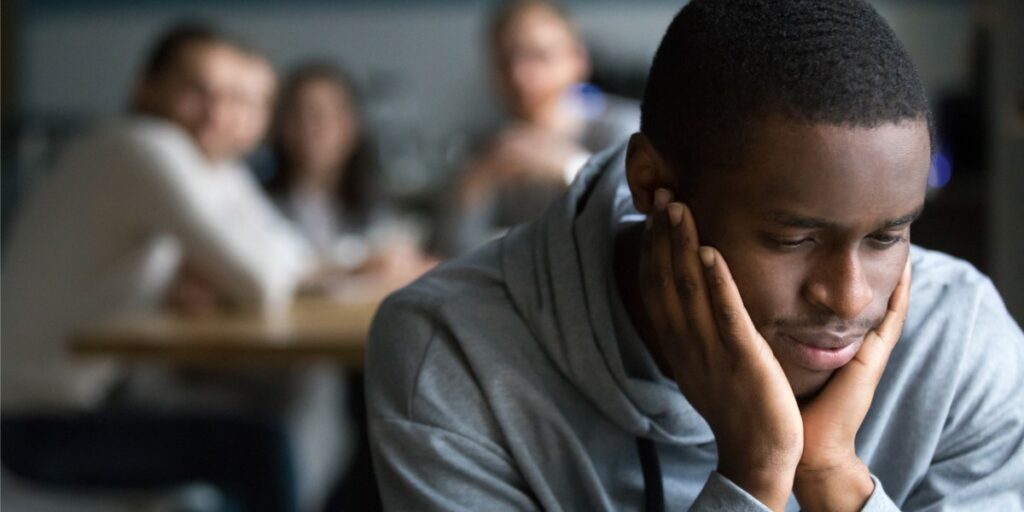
(218,111)
(520,74)
(839,285)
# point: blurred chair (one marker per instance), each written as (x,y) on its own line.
(20,495)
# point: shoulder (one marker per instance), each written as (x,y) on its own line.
(936,271)
(152,154)
(962,353)
(419,319)
(420,365)
(150,131)
(411,315)
(952,292)
(131,148)
(140,132)
(476,275)
(960,330)
(158,140)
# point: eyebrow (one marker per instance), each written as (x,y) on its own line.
(904,220)
(792,220)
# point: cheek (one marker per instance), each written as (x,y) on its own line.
(770,286)
(883,274)
(768,282)
(187,109)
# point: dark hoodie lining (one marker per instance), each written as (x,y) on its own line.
(654,495)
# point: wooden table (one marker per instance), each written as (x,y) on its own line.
(315,328)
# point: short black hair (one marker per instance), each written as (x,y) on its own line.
(167,49)
(725,64)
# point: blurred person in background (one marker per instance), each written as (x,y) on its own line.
(136,211)
(250,92)
(555,121)
(324,180)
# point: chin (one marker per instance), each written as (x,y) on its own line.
(806,383)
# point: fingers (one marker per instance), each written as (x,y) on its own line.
(892,325)
(736,329)
(854,385)
(687,300)
(688,275)
(659,293)
(710,319)
(878,344)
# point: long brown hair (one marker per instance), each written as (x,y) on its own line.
(355,188)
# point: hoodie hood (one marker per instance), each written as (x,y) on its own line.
(559,275)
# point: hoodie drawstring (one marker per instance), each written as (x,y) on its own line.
(654,495)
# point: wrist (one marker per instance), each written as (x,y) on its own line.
(842,487)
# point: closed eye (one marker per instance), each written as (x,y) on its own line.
(788,243)
(887,240)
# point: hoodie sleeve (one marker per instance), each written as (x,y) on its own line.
(720,493)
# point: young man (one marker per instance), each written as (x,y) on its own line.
(609,357)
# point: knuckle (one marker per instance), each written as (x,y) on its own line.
(719,281)
(664,283)
(729,316)
(687,288)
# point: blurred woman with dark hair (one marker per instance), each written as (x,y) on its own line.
(325,161)
(324,181)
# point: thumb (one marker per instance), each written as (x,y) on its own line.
(852,388)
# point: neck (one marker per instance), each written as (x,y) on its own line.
(325,182)
(626,267)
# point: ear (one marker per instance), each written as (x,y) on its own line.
(646,172)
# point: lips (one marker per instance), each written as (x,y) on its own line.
(820,351)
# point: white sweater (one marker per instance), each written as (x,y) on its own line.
(104,233)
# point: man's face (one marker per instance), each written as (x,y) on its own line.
(537,58)
(815,227)
(199,92)
(255,89)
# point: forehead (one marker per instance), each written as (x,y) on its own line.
(842,173)
(257,78)
(211,61)
(535,26)
(322,90)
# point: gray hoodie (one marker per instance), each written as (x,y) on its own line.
(513,379)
